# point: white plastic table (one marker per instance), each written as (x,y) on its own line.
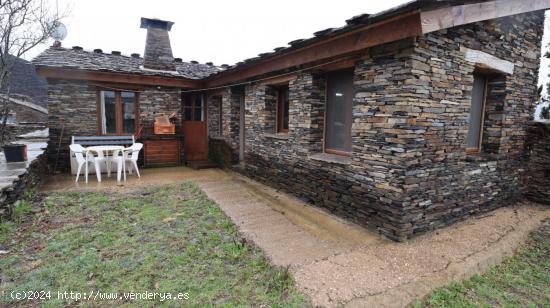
(105,150)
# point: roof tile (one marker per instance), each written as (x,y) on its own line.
(94,61)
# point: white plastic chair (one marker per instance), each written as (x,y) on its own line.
(82,159)
(129,157)
(118,157)
(102,158)
(132,154)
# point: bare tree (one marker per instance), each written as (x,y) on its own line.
(24,24)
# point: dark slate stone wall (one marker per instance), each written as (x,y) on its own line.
(220,152)
(154,101)
(72,108)
(363,188)
(444,184)
(27,114)
(537,179)
(158,51)
(409,171)
(231,100)
(71,111)
(213,118)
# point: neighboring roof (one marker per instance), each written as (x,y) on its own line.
(25,81)
(26,104)
(77,58)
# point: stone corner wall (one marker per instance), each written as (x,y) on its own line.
(221,152)
(537,178)
(445,183)
(32,178)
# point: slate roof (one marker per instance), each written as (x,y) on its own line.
(77,58)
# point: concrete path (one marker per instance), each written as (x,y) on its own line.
(337,263)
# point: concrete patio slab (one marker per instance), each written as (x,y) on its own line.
(333,261)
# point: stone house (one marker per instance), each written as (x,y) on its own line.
(402,121)
(27,106)
(23,111)
(24,116)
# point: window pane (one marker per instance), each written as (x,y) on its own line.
(198,101)
(282,110)
(9,120)
(198,114)
(108,112)
(188,101)
(339,111)
(128,100)
(187,114)
(285,109)
(476,112)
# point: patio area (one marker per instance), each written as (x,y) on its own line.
(333,261)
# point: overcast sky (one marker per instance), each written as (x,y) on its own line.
(206,30)
(210,30)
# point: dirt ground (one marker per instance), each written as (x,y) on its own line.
(333,261)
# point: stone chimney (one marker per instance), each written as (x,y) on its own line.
(158,52)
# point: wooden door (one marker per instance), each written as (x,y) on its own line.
(194,128)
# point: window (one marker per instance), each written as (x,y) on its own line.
(193,108)
(118,112)
(477,111)
(339,113)
(282,109)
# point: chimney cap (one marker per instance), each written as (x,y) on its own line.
(77,48)
(156,23)
(135,55)
(116,53)
(179,60)
(97,50)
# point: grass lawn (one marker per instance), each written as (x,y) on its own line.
(520,281)
(168,239)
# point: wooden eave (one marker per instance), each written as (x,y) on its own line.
(121,78)
(415,22)
(385,31)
